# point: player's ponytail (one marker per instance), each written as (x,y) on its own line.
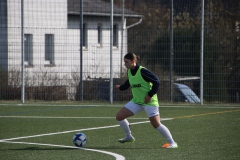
(131,56)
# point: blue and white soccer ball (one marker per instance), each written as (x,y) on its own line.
(79,139)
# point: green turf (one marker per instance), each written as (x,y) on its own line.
(202,132)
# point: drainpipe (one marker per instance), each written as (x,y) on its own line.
(123,29)
(140,21)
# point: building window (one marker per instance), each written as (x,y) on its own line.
(115,35)
(49,48)
(28,49)
(85,40)
(99,33)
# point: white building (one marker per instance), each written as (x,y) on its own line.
(52,41)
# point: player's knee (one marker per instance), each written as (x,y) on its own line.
(119,117)
(155,124)
(122,114)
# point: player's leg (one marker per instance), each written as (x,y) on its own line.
(154,117)
(128,110)
(124,124)
(123,113)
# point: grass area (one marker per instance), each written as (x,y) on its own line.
(45,131)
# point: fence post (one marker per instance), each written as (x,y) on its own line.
(111,48)
(81,51)
(201,53)
(22,50)
(171,51)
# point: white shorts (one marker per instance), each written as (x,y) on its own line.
(136,108)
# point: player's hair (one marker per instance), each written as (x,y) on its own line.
(131,56)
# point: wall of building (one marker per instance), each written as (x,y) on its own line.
(40,18)
(51,17)
(96,58)
(43,17)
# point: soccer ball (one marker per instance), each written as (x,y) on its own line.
(79,139)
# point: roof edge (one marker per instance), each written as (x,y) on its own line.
(105,14)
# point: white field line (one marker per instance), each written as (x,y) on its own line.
(86,129)
(64,117)
(117,105)
(61,105)
(117,156)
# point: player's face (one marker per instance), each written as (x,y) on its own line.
(129,63)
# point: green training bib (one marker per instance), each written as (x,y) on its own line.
(140,89)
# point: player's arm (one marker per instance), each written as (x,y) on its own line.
(148,76)
(124,86)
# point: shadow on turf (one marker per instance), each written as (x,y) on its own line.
(40,148)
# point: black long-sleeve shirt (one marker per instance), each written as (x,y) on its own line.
(148,76)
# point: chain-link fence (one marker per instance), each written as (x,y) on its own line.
(41,45)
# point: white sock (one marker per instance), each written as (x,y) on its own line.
(166,133)
(125,127)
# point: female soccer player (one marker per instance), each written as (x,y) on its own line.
(144,85)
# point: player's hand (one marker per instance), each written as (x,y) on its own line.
(147,99)
(117,86)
